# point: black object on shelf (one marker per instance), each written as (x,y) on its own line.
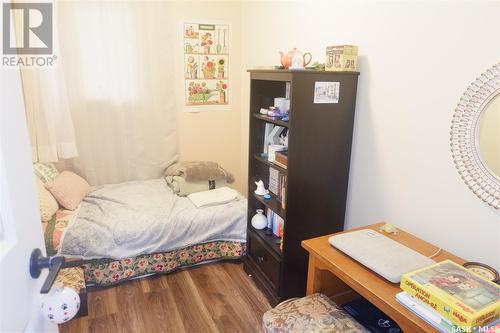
(371,317)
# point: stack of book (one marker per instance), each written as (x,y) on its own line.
(275,223)
(452,298)
(277,185)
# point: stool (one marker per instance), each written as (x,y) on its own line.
(73,277)
(313,313)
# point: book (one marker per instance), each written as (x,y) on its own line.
(283,192)
(459,295)
(269,215)
(275,224)
(426,313)
(436,320)
(274,181)
(280,225)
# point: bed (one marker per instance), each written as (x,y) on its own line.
(134,229)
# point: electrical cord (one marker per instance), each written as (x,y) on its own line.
(436,253)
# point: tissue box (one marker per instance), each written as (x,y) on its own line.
(341,58)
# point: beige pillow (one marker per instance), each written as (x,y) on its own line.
(48,205)
(69,189)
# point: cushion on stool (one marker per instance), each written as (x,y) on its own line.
(313,313)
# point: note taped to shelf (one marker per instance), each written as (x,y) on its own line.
(326,92)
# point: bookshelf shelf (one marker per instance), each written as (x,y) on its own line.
(271,240)
(271,164)
(314,192)
(271,120)
(273,204)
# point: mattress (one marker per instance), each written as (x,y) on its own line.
(141,217)
(104,270)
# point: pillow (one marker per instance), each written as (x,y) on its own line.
(218,196)
(69,189)
(46,172)
(196,171)
(48,205)
(182,188)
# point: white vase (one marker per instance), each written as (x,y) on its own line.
(259,220)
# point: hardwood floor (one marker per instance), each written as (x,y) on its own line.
(216,297)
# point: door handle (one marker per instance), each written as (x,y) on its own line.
(39,262)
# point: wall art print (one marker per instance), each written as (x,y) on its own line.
(206,64)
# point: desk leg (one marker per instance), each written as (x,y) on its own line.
(313,276)
(321,280)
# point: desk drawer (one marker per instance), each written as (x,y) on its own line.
(264,259)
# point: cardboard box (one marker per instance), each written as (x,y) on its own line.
(341,58)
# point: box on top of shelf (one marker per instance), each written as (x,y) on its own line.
(341,58)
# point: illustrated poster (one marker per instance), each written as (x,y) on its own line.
(206,64)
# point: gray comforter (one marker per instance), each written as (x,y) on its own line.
(133,218)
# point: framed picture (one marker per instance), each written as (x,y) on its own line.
(206,66)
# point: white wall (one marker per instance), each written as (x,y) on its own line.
(416,59)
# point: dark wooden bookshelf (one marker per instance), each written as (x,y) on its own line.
(319,151)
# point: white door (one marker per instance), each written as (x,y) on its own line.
(20,228)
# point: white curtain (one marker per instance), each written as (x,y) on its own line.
(117,58)
(47,111)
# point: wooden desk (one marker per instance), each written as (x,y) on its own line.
(342,278)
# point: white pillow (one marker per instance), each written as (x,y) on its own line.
(218,196)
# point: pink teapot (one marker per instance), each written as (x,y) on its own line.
(295,59)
